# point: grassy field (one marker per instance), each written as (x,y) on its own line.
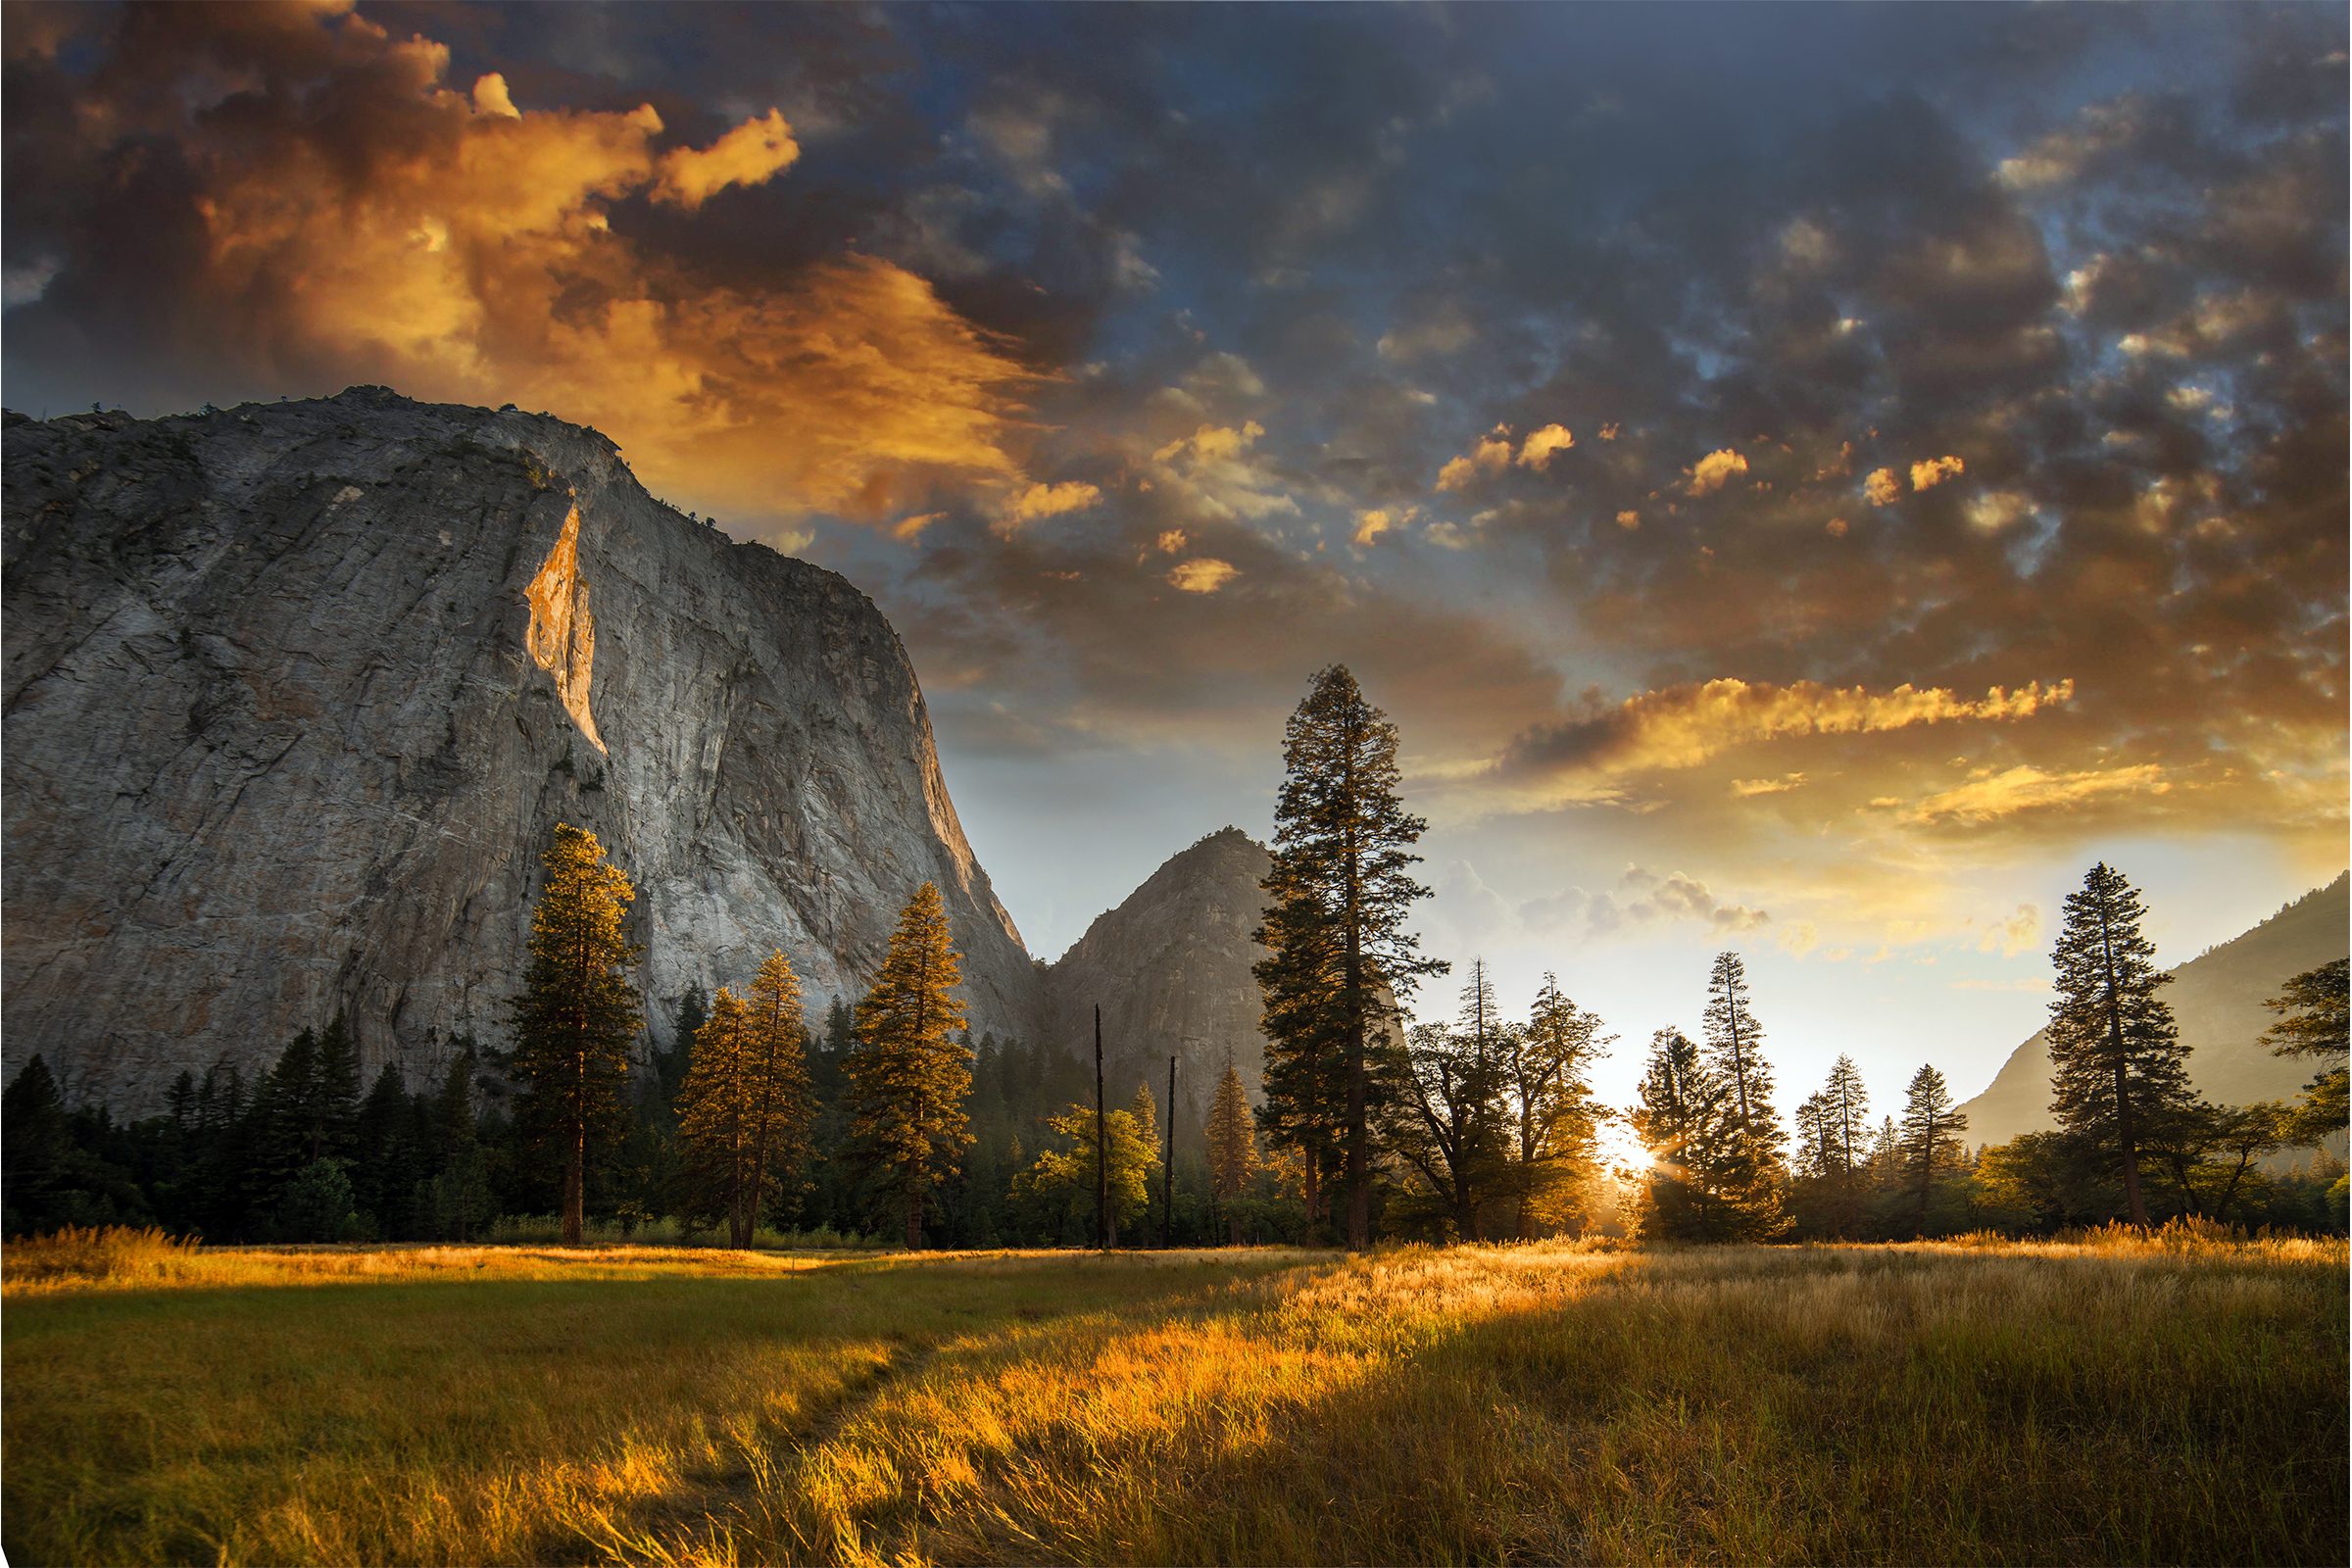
(2118,1402)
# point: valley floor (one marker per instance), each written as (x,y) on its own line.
(1554,1402)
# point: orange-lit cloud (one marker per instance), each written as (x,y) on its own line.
(755,151)
(1040,501)
(1541,446)
(1683,726)
(373,221)
(1491,455)
(1204,576)
(1932,473)
(1746,787)
(2025,787)
(1712,471)
(1883,488)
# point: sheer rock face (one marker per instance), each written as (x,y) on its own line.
(1171,967)
(295,694)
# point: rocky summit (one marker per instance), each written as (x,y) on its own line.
(295,694)
(1171,970)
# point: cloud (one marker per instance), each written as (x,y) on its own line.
(1204,576)
(356,218)
(1642,896)
(1629,520)
(1713,470)
(1996,512)
(1681,726)
(1040,501)
(2025,788)
(1881,488)
(1540,446)
(2018,933)
(1744,788)
(1171,541)
(1932,473)
(755,151)
(1491,455)
(1213,474)
(1372,523)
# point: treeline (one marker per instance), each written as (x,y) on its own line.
(889,1121)
(1485,1127)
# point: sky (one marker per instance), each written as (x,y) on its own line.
(1806,481)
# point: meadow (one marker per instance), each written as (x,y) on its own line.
(2115,1399)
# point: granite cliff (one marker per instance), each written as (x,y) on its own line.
(294,693)
(1171,968)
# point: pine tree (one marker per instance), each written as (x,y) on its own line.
(1684,1121)
(745,1110)
(1929,1136)
(283,1126)
(383,1158)
(1546,1072)
(2312,1022)
(1706,1182)
(1339,956)
(579,1015)
(669,1062)
(907,1071)
(1846,1108)
(786,1109)
(1232,1146)
(1734,1041)
(334,1112)
(2116,1062)
(454,1200)
(1815,1156)
(36,1146)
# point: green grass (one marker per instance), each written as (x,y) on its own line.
(2118,1402)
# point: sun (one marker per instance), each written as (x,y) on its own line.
(1619,1147)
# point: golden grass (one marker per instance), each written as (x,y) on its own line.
(2081,1401)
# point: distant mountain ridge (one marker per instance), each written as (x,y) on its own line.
(2218,1000)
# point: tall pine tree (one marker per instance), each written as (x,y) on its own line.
(1339,957)
(744,1108)
(1684,1120)
(1735,1042)
(578,1013)
(2116,1063)
(907,1070)
(1930,1134)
